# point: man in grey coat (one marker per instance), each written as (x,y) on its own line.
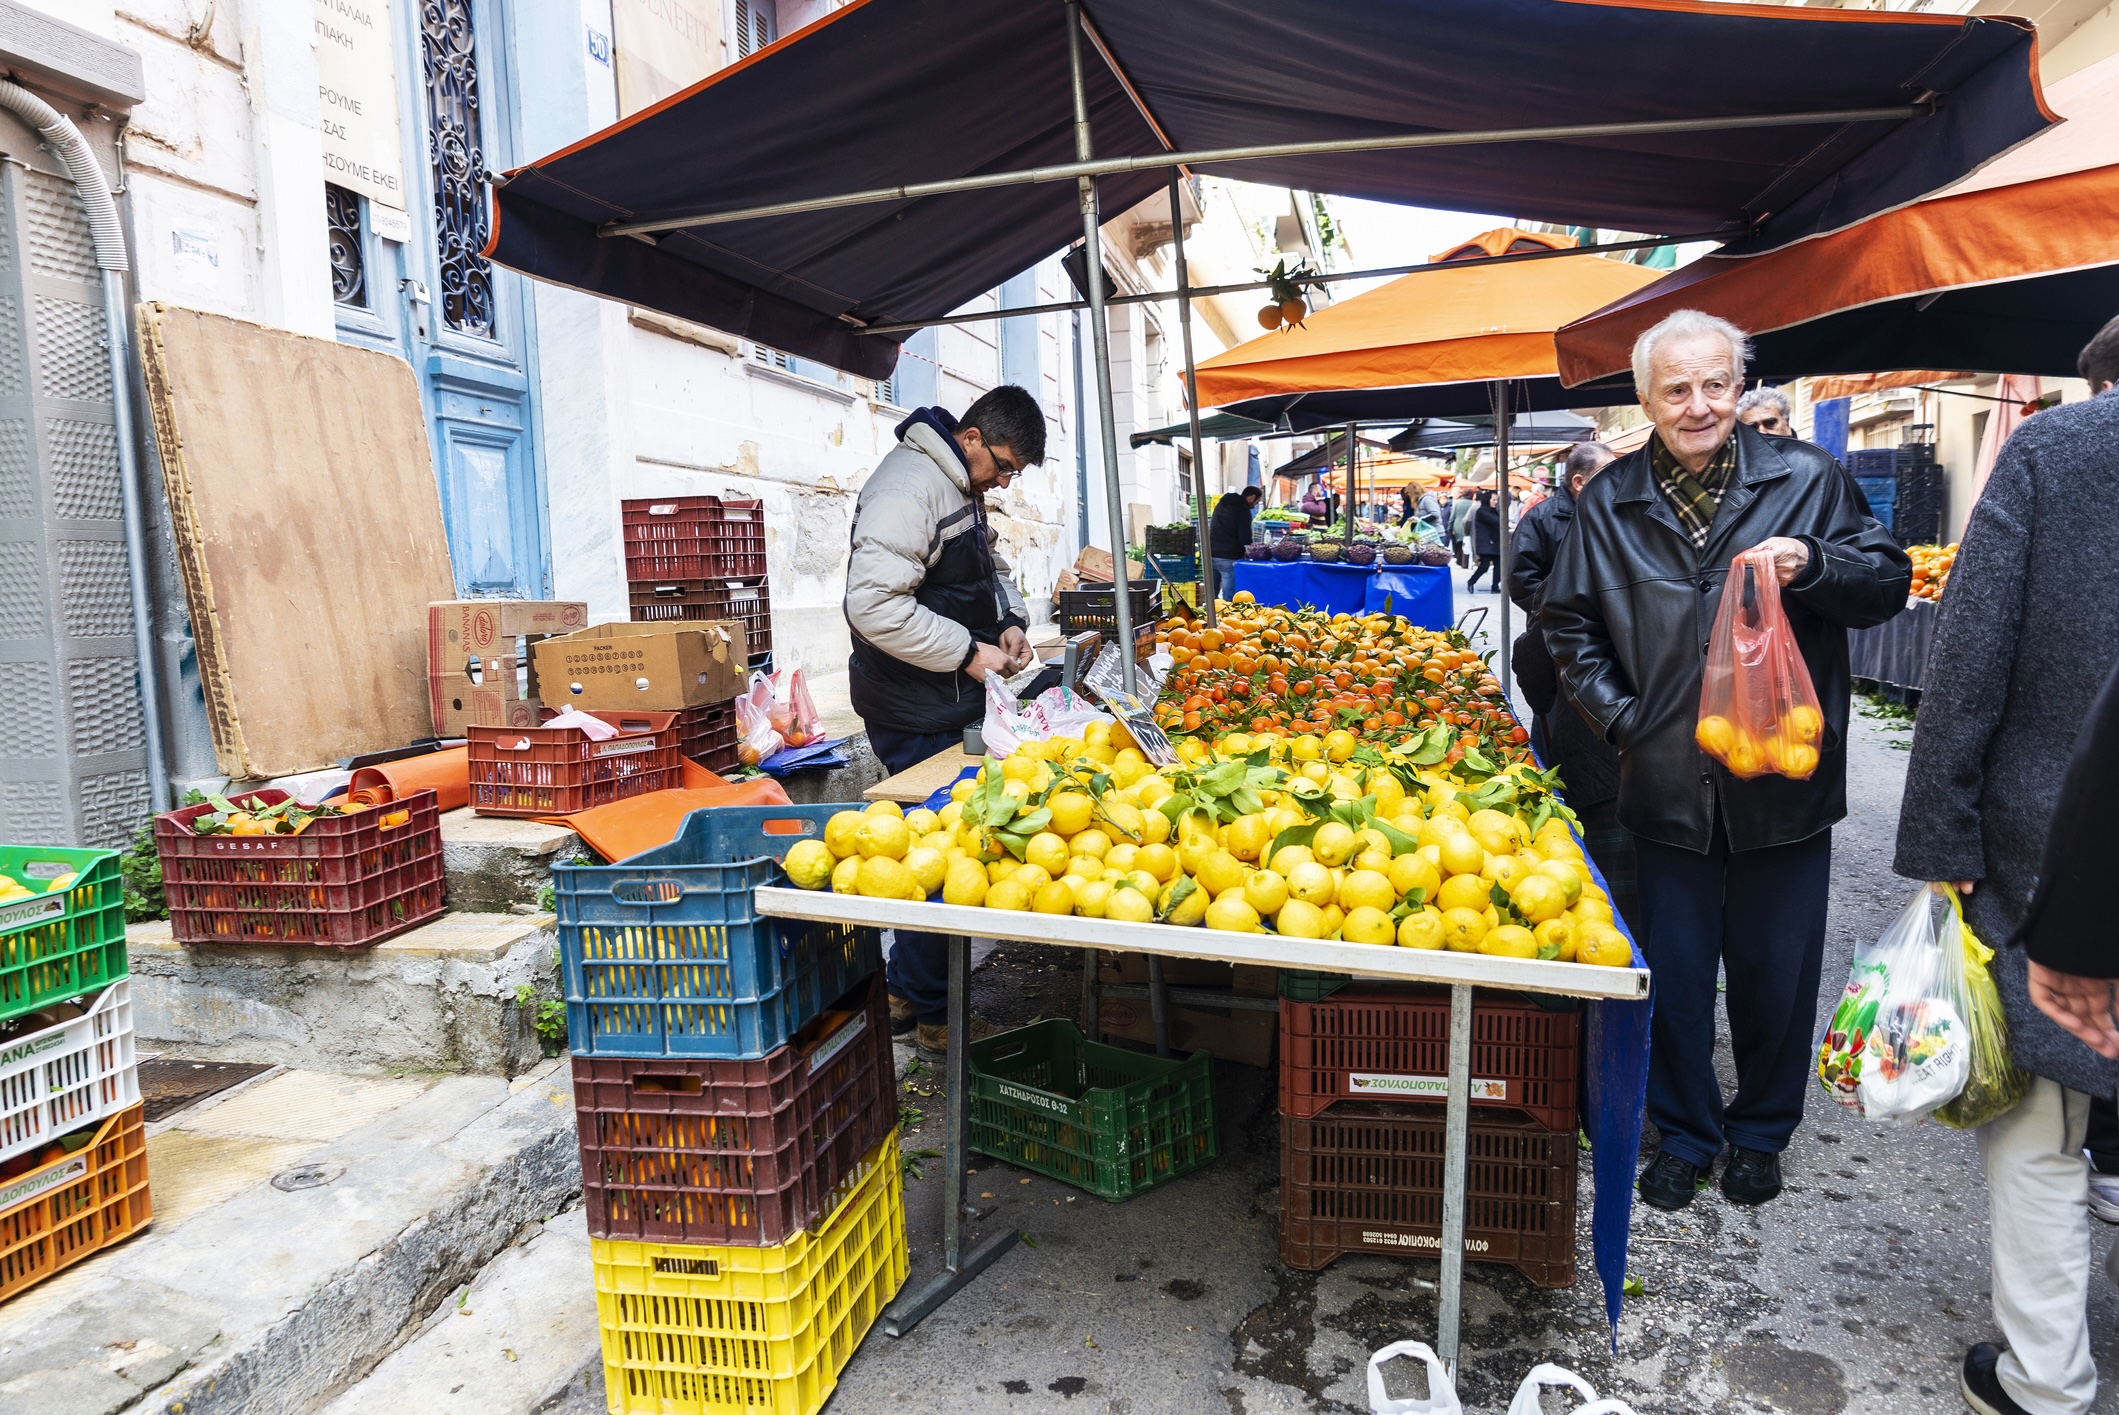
(2024,642)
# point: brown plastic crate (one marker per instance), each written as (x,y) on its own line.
(738,1152)
(693,538)
(1368,1179)
(1374,1046)
(750,600)
(555,771)
(707,734)
(344,882)
(75,1206)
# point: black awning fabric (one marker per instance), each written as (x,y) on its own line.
(1312,412)
(885,92)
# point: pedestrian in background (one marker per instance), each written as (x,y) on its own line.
(1767,410)
(1588,764)
(1733,874)
(1228,532)
(1460,522)
(1486,540)
(2010,681)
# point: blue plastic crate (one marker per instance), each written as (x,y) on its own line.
(665,954)
(1873,461)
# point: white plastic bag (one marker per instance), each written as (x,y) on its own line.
(1896,1046)
(1056,712)
(1441,1398)
(1547,1376)
(593,728)
(756,738)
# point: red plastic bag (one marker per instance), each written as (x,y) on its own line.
(1758,709)
(794,715)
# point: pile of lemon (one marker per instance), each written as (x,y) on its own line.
(1117,856)
(13,891)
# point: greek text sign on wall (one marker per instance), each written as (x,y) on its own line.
(664,47)
(357,99)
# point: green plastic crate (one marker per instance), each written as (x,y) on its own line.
(1111,1121)
(58,946)
(1297,985)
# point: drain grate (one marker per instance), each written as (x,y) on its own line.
(169,1084)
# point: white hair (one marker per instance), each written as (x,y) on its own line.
(1682,324)
(1766,398)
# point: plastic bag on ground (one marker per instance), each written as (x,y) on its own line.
(756,738)
(1897,1046)
(794,716)
(1441,1397)
(1056,712)
(1758,709)
(1995,1083)
(1550,1377)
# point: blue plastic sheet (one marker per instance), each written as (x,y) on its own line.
(1421,593)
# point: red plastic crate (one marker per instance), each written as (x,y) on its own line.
(555,771)
(748,600)
(1368,1179)
(1374,1046)
(693,538)
(735,1152)
(78,1204)
(707,734)
(344,882)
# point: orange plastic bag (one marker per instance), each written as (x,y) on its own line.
(1758,708)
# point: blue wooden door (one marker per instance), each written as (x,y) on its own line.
(463,324)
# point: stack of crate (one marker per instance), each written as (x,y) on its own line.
(736,1101)
(700,557)
(73,1133)
(1364,1077)
(1875,471)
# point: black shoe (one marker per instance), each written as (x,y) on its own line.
(1751,1177)
(1982,1385)
(902,1017)
(1670,1183)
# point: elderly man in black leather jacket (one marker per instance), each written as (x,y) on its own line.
(1731,873)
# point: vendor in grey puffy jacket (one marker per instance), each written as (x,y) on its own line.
(931,611)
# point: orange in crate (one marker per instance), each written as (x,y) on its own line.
(75,1205)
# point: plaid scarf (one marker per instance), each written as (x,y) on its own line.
(1695,498)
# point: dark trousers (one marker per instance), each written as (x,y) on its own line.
(918,967)
(2102,1137)
(1760,914)
(1487,564)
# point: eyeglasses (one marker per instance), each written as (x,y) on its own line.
(1000,468)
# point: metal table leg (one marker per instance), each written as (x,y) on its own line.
(958,1267)
(1453,1161)
(1159,1004)
(1091,1001)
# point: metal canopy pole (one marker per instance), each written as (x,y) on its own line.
(1085,166)
(1207,587)
(1100,341)
(1455,1124)
(1500,391)
(1353,434)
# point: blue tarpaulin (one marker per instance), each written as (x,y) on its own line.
(881,93)
(1422,593)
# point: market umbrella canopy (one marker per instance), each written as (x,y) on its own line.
(1210,425)
(884,93)
(2010,271)
(1427,344)
(1527,430)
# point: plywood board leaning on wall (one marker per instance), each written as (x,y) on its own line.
(308,527)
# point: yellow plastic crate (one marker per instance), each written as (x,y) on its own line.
(699,1330)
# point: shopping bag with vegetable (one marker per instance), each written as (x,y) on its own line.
(1995,1083)
(756,737)
(1758,709)
(1897,1046)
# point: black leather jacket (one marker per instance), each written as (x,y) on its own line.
(1630,605)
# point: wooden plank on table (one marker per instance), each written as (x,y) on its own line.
(308,528)
(922,779)
(1386,961)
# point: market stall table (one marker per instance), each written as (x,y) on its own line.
(1421,593)
(1894,654)
(1460,972)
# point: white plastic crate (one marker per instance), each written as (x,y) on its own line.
(68,1075)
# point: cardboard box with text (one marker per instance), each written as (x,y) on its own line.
(474,665)
(655,667)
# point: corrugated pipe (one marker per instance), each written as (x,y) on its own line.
(94,190)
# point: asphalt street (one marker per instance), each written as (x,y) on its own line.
(1858,1290)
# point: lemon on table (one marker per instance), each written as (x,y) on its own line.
(1247,835)
(1602,945)
(840,830)
(1334,916)
(1568,876)
(1462,929)
(948,816)
(1183,903)
(1539,897)
(883,836)
(1464,892)
(808,864)
(1232,913)
(1297,919)
(1031,876)
(1090,842)
(1129,906)
(1377,860)
(1462,855)
(1366,888)
(884,808)
(1047,851)
(1366,924)
(1333,843)
(1414,871)
(961,792)
(1287,857)
(964,883)
(1053,898)
(1437,830)
(1125,819)
(1266,891)
(1503,869)
(844,874)
(1008,894)
(881,877)
(1312,883)
(1497,832)
(1510,941)
(928,868)
(1219,873)
(1556,939)
(1087,866)
(1422,929)
(1071,811)
(1090,899)
(1157,860)
(920,821)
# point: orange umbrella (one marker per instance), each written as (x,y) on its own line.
(1462,328)
(2010,271)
